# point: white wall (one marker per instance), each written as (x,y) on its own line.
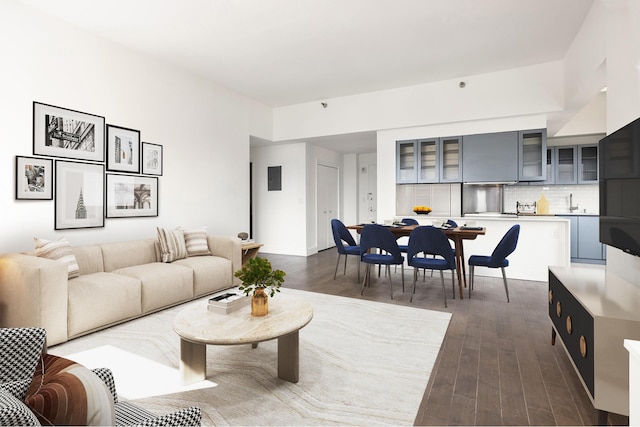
(621,21)
(281,217)
(523,91)
(204,128)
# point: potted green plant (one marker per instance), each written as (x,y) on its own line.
(258,280)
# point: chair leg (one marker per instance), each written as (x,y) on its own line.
(471,267)
(453,283)
(402,272)
(504,279)
(366,277)
(444,291)
(337,264)
(388,272)
(345,264)
(359,263)
(415,276)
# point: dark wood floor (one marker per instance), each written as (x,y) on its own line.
(496,366)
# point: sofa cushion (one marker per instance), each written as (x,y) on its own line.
(172,244)
(13,412)
(210,273)
(89,258)
(126,254)
(58,250)
(162,284)
(100,299)
(64,392)
(20,350)
(196,242)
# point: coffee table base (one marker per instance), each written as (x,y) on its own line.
(193,359)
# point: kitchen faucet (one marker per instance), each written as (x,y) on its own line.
(571,207)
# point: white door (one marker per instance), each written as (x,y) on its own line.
(327,193)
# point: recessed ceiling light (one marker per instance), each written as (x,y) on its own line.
(604,89)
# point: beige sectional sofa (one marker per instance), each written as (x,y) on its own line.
(117,282)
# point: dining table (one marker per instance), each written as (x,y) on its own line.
(456,234)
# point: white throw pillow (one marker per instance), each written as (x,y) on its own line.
(58,250)
(196,242)
(172,246)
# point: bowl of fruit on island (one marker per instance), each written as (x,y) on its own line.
(422,210)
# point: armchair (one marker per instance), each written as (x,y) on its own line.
(23,358)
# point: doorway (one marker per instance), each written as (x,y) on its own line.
(327,204)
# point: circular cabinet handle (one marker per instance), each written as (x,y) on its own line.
(550,296)
(559,309)
(569,325)
(583,346)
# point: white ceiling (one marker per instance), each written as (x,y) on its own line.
(283,52)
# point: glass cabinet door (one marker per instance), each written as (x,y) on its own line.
(406,162)
(566,165)
(451,159)
(428,160)
(588,164)
(533,152)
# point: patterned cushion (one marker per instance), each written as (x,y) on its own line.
(69,394)
(172,244)
(15,413)
(58,250)
(20,350)
(196,242)
(130,414)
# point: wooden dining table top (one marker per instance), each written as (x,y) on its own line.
(468,233)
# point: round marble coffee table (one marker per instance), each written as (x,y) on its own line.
(198,327)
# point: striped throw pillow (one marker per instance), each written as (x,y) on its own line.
(196,241)
(172,246)
(58,250)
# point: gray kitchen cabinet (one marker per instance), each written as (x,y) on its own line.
(429,160)
(428,155)
(406,162)
(551,167)
(566,163)
(588,164)
(450,159)
(532,155)
(490,157)
(589,246)
(585,239)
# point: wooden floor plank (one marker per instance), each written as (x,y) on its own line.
(521,378)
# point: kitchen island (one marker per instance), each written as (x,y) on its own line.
(544,241)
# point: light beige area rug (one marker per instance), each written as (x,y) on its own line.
(361,363)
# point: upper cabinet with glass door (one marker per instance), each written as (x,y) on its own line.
(428,160)
(587,164)
(532,155)
(406,162)
(450,161)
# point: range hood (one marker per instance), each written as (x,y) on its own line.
(482,198)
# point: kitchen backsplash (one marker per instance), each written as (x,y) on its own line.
(586,197)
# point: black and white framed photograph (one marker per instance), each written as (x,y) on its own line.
(131,196)
(123,149)
(79,196)
(34,178)
(151,159)
(60,132)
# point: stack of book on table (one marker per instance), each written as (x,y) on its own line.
(227,301)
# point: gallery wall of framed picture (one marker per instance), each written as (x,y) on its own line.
(72,153)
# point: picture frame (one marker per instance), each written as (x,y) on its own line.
(79,195)
(151,159)
(34,178)
(131,196)
(61,132)
(123,149)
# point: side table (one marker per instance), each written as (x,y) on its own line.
(249,251)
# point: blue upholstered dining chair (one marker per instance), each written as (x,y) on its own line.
(498,259)
(431,240)
(377,237)
(345,244)
(407,221)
